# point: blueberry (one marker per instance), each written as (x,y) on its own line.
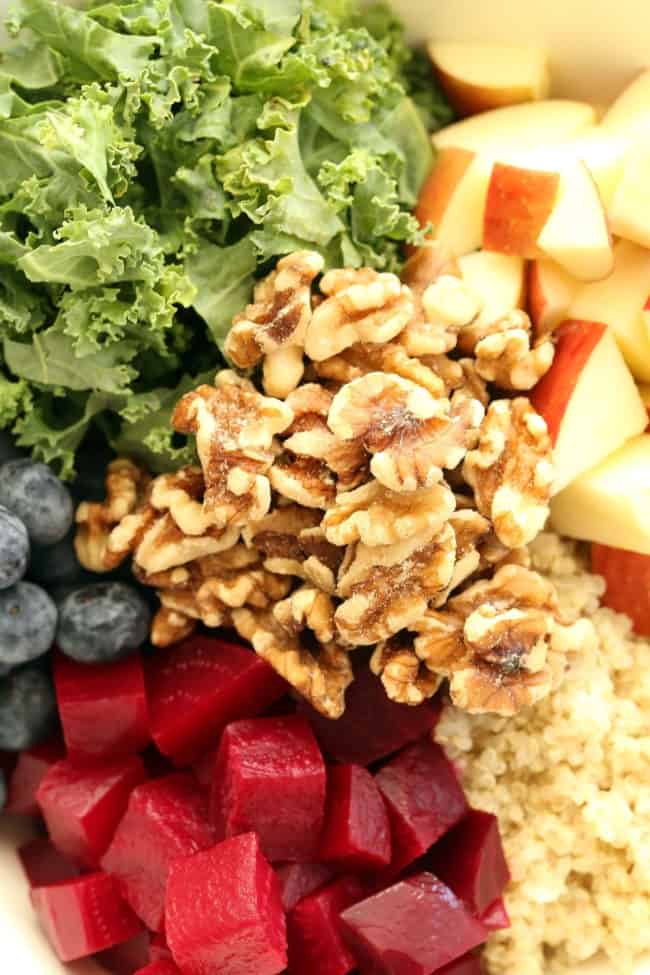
(27,708)
(102,621)
(56,565)
(14,548)
(38,497)
(3,791)
(27,624)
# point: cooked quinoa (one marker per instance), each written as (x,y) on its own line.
(569,780)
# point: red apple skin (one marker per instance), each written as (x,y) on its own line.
(519,202)
(627,578)
(576,340)
(449,169)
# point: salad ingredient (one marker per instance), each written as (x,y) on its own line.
(478,77)
(518,204)
(608,504)
(38,498)
(160,967)
(588,387)
(27,624)
(628,213)
(411,928)
(532,125)
(269,778)
(83,915)
(424,800)
(83,804)
(197,687)
(568,783)
(102,707)
(627,583)
(356,835)
(102,622)
(298,880)
(550,291)
(223,911)
(495,917)
(44,865)
(315,941)
(629,112)
(497,279)
(31,767)
(452,199)
(470,860)
(14,548)
(165,819)
(57,565)
(3,791)
(27,708)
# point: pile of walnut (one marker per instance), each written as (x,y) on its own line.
(374,494)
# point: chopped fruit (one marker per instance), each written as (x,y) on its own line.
(588,388)
(165,819)
(314,930)
(162,967)
(356,835)
(609,503)
(576,234)
(44,865)
(296,880)
(519,203)
(470,860)
(631,110)
(603,153)
(627,578)
(478,77)
(196,687)
(83,916)
(550,291)
(424,800)
(223,912)
(270,778)
(411,928)
(510,128)
(452,200)
(27,775)
(497,279)
(644,393)
(103,707)
(495,917)
(82,804)
(629,212)
(372,726)
(618,301)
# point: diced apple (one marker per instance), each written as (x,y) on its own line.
(511,128)
(629,212)
(550,291)
(644,393)
(610,503)
(497,279)
(518,205)
(627,578)
(618,301)
(631,110)
(453,200)
(477,77)
(588,399)
(576,234)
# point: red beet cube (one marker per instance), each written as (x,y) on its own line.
(372,725)
(159,968)
(424,800)
(356,835)
(103,707)
(165,819)
(314,930)
(223,912)
(83,916)
(27,775)
(196,687)
(159,949)
(470,860)
(43,864)
(82,804)
(469,964)
(127,958)
(270,778)
(495,917)
(296,880)
(412,928)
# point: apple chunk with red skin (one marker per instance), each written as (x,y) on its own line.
(627,578)
(519,203)
(550,291)
(588,399)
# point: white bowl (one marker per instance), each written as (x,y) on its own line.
(596,49)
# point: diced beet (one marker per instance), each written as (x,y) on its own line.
(203,768)
(223,912)
(165,819)
(469,964)
(84,915)
(356,835)
(412,928)
(127,958)
(496,917)
(314,930)
(159,968)
(43,864)
(372,725)
(270,778)
(196,687)
(30,768)
(82,804)
(470,860)
(103,707)
(296,880)
(159,949)
(424,800)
